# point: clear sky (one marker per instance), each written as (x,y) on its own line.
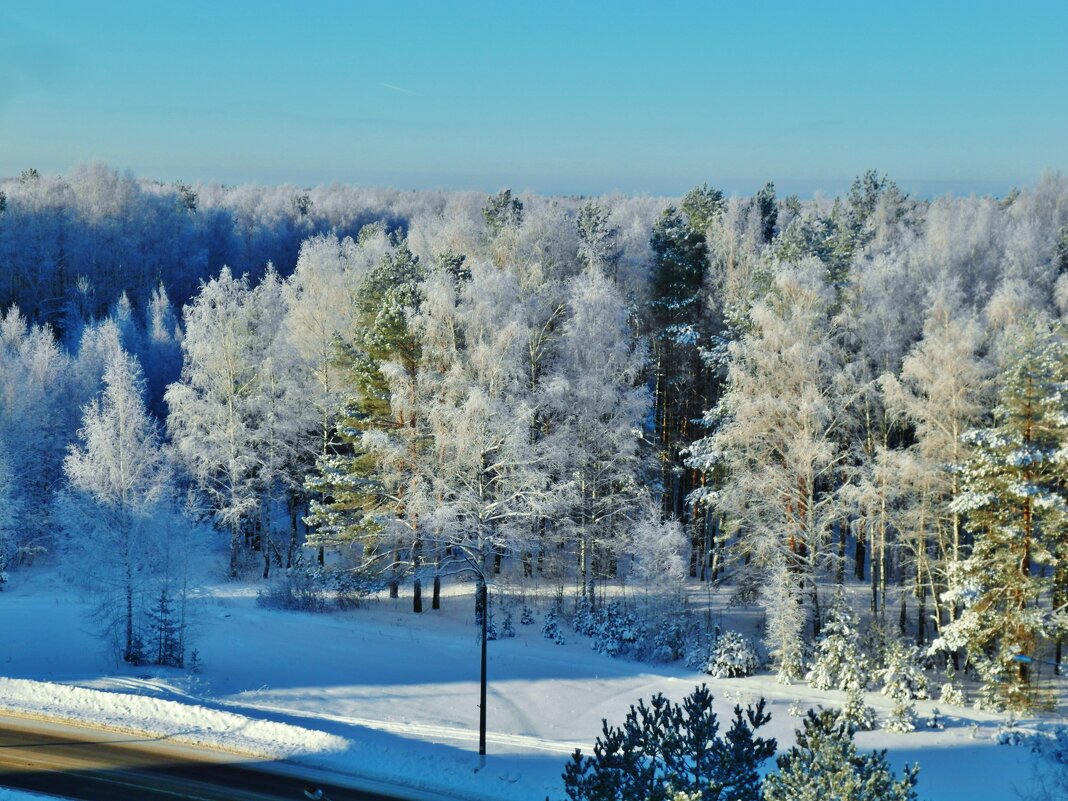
(559,97)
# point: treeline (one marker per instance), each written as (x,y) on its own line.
(780,394)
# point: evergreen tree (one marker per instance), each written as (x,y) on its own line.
(356,486)
(1013,498)
(824,766)
(839,664)
(680,327)
(663,748)
(903,681)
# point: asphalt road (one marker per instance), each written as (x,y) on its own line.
(107,766)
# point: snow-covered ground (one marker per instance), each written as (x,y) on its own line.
(386,695)
(7,794)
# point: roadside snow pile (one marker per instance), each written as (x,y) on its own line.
(187,723)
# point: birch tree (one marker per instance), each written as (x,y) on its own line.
(119,477)
(777,445)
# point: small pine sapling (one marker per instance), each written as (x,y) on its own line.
(508,627)
(839,663)
(903,681)
(550,629)
(733,656)
(526,617)
(952,692)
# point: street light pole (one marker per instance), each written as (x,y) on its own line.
(484,603)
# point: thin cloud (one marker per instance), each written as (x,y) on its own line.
(394,88)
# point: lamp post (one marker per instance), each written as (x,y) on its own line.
(484,602)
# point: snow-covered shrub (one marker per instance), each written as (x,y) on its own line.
(699,650)
(903,680)
(903,676)
(584,622)
(668,637)
(856,713)
(839,664)
(350,589)
(951,692)
(935,720)
(507,627)
(526,617)
(294,589)
(550,629)
(733,656)
(615,630)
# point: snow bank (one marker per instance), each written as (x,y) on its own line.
(186,723)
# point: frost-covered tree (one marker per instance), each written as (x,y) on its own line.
(9,514)
(483,479)
(839,663)
(595,406)
(776,443)
(119,478)
(39,412)
(942,392)
(362,487)
(825,765)
(212,419)
(903,681)
(599,248)
(1015,507)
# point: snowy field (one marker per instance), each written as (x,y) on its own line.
(382,694)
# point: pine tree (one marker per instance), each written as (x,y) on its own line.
(357,487)
(824,766)
(664,748)
(1014,502)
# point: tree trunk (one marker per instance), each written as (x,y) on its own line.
(859,555)
(921,617)
(840,572)
(417,596)
(435,602)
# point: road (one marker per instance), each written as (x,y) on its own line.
(107,766)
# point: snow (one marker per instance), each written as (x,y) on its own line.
(381,694)
(7,794)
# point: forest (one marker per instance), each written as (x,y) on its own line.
(340,391)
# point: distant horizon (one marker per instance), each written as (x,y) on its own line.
(558,97)
(924,189)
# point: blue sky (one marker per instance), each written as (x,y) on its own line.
(561,97)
